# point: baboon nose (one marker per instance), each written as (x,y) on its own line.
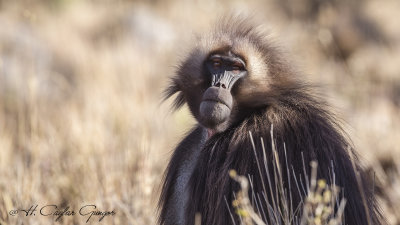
(220,85)
(224,80)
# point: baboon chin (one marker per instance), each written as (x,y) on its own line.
(236,82)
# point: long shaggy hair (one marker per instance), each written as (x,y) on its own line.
(303,131)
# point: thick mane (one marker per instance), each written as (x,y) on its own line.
(306,130)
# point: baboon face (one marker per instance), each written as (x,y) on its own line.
(219,83)
(224,70)
(226,76)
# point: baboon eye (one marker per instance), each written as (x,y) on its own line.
(236,68)
(216,63)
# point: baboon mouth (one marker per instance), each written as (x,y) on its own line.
(217,101)
(215,95)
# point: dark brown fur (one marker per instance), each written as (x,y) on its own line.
(266,97)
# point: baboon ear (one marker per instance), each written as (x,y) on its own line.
(171,90)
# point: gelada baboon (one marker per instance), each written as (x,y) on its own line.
(235,82)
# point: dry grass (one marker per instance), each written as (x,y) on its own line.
(80,84)
(322,204)
(320,207)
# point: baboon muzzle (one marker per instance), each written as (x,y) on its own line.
(217,100)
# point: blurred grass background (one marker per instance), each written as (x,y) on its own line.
(81,81)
